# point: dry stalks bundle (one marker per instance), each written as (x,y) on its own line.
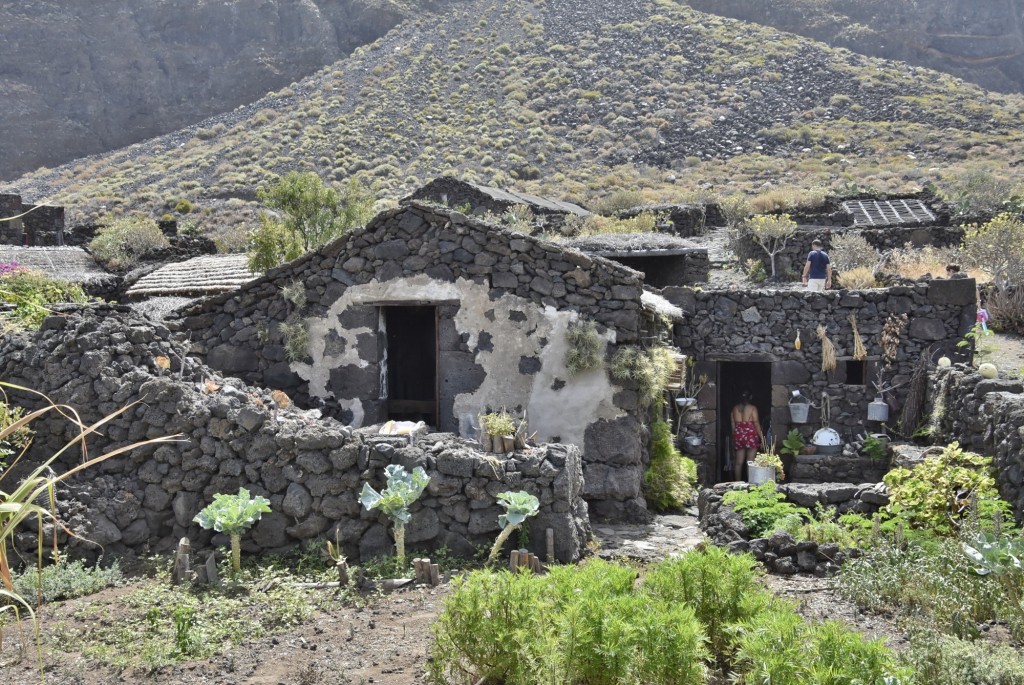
(828,351)
(859,351)
(891,332)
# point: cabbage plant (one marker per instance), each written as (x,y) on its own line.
(394,501)
(519,506)
(233,514)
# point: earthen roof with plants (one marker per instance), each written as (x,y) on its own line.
(67,263)
(196,277)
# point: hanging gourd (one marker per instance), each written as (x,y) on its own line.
(828,351)
(796,343)
(859,352)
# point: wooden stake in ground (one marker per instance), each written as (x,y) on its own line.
(182,572)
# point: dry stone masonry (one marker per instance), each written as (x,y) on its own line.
(311,468)
(502,303)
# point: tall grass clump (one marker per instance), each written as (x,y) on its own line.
(33,497)
(670,477)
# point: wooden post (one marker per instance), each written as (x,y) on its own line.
(342,567)
(182,572)
(549,535)
(513,561)
(435,575)
(211,569)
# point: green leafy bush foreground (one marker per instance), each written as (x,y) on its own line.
(690,619)
(31,293)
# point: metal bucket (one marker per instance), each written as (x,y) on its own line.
(798,411)
(759,474)
(878,410)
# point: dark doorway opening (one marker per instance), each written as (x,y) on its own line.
(411,363)
(733,379)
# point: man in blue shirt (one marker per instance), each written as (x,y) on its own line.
(818,269)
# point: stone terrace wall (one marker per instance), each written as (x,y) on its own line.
(44,225)
(504,302)
(10,231)
(760,326)
(985,416)
(794,255)
(98,360)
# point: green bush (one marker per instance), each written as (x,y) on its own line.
(32,293)
(594,624)
(932,496)
(67,580)
(670,477)
(940,659)
(122,243)
(766,510)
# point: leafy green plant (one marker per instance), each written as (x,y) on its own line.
(519,506)
(17,440)
(185,638)
(755,271)
(1001,556)
(586,347)
(997,248)
(121,244)
(874,449)
(498,423)
(233,514)
(402,490)
(670,477)
(67,580)
(935,494)
(767,458)
(938,659)
(764,509)
(793,444)
(308,214)
(32,293)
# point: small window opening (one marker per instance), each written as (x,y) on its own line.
(854,372)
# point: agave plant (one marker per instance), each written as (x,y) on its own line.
(233,514)
(394,501)
(21,502)
(519,506)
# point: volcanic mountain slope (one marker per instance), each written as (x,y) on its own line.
(569,98)
(982,42)
(78,78)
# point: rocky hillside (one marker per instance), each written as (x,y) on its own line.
(982,42)
(571,98)
(79,78)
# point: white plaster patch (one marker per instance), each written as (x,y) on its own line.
(564,413)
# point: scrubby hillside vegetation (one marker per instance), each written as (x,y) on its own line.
(571,98)
(82,78)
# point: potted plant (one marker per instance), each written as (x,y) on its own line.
(766,466)
(691,386)
(794,443)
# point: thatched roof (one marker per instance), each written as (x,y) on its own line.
(657,304)
(196,277)
(67,263)
(889,212)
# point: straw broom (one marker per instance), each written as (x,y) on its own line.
(828,351)
(859,352)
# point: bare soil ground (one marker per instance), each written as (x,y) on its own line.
(384,642)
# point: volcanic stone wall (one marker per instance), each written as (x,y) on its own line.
(504,303)
(10,231)
(984,416)
(793,256)
(230,435)
(44,225)
(760,326)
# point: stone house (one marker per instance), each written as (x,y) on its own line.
(664,260)
(36,225)
(427,314)
(745,340)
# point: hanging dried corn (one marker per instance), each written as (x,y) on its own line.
(828,351)
(859,352)
(891,337)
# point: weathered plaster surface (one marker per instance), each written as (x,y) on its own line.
(518,329)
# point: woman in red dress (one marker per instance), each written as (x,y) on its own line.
(746,432)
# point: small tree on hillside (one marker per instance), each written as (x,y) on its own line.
(771,232)
(997,248)
(309,214)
